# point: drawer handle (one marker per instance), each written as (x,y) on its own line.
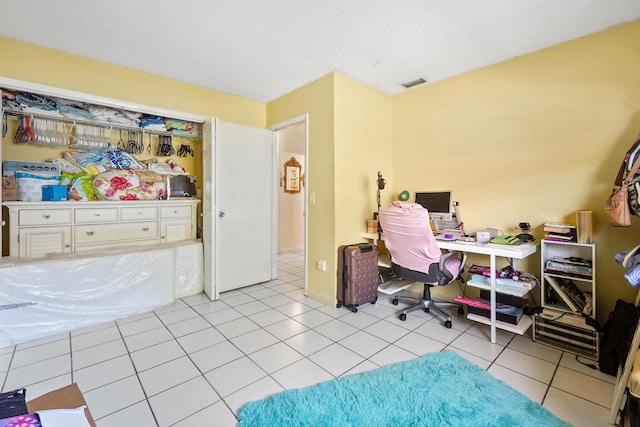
(46,216)
(145,229)
(89,233)
(97,214)
(67,246)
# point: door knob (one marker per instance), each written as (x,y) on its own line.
(221,214)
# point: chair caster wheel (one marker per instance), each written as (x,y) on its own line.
(447,324)
(394,301)
(426,309)
(402,317)
(460,311)
(338,305)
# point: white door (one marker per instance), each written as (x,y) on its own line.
(239,206)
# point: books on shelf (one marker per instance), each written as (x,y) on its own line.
(508,309)
(559,228)
(561,294)
(572,260)
(559,232)
(568,268)
(570,294)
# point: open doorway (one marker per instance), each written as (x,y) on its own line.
(292,185)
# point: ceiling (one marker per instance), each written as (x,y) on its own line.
(263,49)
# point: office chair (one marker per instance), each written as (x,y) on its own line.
(414,255)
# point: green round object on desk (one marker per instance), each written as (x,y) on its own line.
(404,196)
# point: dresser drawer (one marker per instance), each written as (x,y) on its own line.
(140,213)
(167,212)
(87,234)
(44,216)
(93,215)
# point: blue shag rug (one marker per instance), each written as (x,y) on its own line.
(439,389)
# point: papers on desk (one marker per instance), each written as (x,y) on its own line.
(508,247)
(466,240)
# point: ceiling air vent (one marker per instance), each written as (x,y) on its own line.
(413,83)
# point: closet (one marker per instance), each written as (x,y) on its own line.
(38,129)
(236,189)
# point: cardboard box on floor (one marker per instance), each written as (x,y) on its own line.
(69,397)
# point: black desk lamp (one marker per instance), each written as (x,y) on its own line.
(381,183)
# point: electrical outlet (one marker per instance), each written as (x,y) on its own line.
(322,265)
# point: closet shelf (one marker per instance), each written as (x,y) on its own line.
(98,124)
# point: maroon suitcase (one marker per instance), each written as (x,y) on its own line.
(358,275)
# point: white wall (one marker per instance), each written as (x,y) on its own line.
(290,206)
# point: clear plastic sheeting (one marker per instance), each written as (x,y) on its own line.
(48,296)
(189,269)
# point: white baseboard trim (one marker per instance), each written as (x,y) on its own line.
(289,250)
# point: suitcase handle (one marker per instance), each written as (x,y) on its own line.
(366,248)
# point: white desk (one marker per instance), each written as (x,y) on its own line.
(514,252)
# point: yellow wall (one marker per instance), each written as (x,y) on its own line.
(362,148)
(24,61)
(531,139)
(316,99)
(349,142)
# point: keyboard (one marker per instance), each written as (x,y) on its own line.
(393,286)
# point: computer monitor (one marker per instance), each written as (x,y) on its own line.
(438,203)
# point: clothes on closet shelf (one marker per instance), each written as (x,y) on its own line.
(74,110)
(41,105)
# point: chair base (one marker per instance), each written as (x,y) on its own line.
(429,306)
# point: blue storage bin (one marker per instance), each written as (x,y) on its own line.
(54,193)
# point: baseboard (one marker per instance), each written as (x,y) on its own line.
(289,250)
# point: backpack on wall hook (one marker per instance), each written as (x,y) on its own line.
(634,182)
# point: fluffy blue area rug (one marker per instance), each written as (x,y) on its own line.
(439,389)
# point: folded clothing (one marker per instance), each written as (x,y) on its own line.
(93,162)
(39,102)
(178,125)
(74,110)
(153,123)
(120,117)
(630,259)
(123,160)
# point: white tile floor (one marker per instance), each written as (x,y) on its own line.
(196,362)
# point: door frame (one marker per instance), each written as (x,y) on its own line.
(302,119)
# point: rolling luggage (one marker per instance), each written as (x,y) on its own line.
(358,276)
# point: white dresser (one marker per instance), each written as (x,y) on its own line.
(40,228)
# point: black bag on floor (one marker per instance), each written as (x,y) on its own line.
(12,403)
(617,334)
